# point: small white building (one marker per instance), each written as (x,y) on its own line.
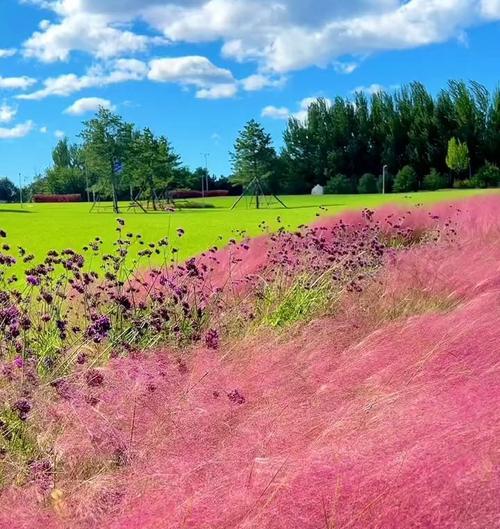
(317,190)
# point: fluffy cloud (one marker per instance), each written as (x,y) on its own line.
(195,70)
(7,113)
(16,83)
(59,134)
(275,112)
(218,91)
(285,113)
(19,131)
(279,35)
(491,9)
(85,32)
(212,82)
(374,88)
(119,71)
(259,81)
(88,104)
(9,52)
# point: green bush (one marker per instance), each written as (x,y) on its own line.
(338,185)
(406,180)
(487,176)
(435,180)
(463,184)
(367,184)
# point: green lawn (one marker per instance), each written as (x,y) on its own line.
(41,227)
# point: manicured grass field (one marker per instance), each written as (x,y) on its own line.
(41,227)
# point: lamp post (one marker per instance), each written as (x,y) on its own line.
(20,190)
(204,178)
(384,173)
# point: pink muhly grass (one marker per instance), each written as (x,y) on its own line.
(359,420)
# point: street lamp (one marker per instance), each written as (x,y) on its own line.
(20,190)
(204,178)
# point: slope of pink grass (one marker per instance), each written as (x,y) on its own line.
(357,421)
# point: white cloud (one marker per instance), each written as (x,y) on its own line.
(19,131)
(490,9)
(59,134)
(7,52)
(44,130)
(279,35)
(119,71)
(88,104)
(345,67)
(16,83)
(374,88)
(195,70)
(91,33)
(211,81)
(275,112)
(260,81)
(218,91)
(7,113)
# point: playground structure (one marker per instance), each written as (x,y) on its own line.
(254,193)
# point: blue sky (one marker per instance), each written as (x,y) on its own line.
(196,70)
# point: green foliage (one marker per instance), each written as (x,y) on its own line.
(463,184)
(151,165)
(368,184)
(253,156)
(457,158)
(487,176)
(338,185)
(8,190)
(406,180)
(107,140)
(435,180)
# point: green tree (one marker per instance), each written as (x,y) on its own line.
(457,158)
(434,181)
(152,164)
(487,176)
(368,184)
(406,180)
(61,154)
(8,190)
(106,149)
(338,185)
(253,156)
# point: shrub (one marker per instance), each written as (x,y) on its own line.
(406,180)
(57,198)
(435,180)
(338,185)
(463,184)
(192,193)
(368,183)
(487,176)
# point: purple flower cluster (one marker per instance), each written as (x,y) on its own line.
(99,329)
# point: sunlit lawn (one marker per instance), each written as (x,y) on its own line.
(41,227)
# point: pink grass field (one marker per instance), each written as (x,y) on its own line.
(384,414)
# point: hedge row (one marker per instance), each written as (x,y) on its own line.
(190,193)
(57,198)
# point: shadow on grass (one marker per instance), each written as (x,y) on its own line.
(277,207)
(2,210)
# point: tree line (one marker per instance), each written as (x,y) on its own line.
(450,139)
(420,141)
